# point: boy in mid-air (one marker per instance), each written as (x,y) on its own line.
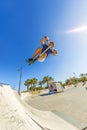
(40,50)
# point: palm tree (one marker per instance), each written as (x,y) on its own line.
(83,75)
(34,82)
(40,83)
(72,80)
(27,83)
(46,79)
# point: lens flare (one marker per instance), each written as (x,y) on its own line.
(77,30)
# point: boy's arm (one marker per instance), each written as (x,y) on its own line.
(44,39)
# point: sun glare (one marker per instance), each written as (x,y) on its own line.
(77,30)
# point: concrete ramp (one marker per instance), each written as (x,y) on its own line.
(17,115)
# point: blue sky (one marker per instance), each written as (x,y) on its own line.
(24,23)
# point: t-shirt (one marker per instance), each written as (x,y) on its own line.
(49,51)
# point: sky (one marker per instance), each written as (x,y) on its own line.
(24,23)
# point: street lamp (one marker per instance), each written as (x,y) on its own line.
(20,70)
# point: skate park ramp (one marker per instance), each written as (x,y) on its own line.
(15,114)
(70,105)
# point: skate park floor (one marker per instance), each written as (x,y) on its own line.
(71,105)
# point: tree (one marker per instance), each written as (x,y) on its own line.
(82,79)
(83,75)
(72,80)
(40,83)
(46,79)
(34,81)
(33,84)
(27,83)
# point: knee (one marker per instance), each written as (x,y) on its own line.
(38,51)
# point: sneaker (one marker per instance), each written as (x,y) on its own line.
(30,59)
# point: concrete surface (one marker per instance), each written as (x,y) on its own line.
(15,114)
(71,105)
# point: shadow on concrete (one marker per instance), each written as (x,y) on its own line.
(50,93)
(46,94)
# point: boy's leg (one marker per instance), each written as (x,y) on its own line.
(42,57)
(37,52)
